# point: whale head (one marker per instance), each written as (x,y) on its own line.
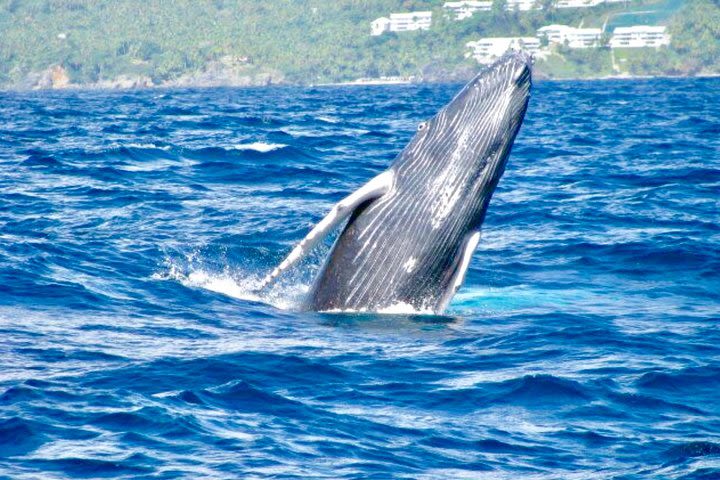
(463,149)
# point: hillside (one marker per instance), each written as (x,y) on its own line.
(45,43)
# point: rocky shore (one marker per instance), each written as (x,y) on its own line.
(228,71)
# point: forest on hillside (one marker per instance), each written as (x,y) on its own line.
(306,41)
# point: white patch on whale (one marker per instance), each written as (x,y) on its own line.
(409,266)
(461,269)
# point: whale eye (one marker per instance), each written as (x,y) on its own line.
(422,125)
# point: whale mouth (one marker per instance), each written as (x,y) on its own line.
(513,69)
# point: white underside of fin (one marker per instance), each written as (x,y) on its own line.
(461,270)
(375,188)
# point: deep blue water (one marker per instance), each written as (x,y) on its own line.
(133,225)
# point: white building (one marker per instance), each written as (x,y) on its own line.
(577,3)
(487,50)
(466,9)
(583,3)
(379,26)
(401,22)
(571,36)
(639,36)
(521,5)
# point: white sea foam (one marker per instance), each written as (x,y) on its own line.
(145,146)
(259,146)
(221,283)
(149,166)
(236,284)
(400,308)
(327,119)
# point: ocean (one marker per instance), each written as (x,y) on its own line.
(134,226)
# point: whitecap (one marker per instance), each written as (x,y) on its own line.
(150,166)
(327,119)
(144,146)
(259,146)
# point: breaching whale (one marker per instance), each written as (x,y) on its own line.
(412,230)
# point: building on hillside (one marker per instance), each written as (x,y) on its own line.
(584,3)
(401,22)
(521,5)
(570,36)
(379,26)
(466,9)
(487,50)
(577,3)
(639,36)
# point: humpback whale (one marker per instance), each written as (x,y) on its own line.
(411,231)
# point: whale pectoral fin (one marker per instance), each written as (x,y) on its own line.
(373,189)
(461,267)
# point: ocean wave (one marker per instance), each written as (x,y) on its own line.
(256,151)
(328,119)
(117,149)
(259,146)
(142,146)
(692,450)
(239,395)
(42,161)
(19,436)
(543,390)
(681,382)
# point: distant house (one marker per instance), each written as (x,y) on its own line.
(571,36)
(577,3)
(584,3)
(639,36)
(466,9)
(379,26)
(521,5)
(401,22)
(487,50)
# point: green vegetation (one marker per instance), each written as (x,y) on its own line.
(315,41)
(696,37)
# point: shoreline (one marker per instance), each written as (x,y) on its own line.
(353,83)
(628,77)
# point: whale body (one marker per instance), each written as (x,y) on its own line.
(411,231)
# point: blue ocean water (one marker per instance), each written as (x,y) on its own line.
(133,226)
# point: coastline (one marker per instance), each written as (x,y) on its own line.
(631,77)
(366,82)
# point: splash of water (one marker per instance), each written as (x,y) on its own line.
(194,271)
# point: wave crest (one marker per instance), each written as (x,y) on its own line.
(261,147)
